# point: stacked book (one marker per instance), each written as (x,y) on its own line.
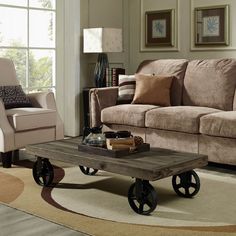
(120,143)
(112,75)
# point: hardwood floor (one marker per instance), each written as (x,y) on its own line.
(17,223)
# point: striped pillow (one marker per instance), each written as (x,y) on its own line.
(126,89)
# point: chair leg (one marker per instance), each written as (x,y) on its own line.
(6,159)
(15,156)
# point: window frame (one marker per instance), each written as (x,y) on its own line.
(53,87)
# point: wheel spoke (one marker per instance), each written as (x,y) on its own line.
(178,186)
(133,197)
(148,203)
(44,179)
(140,209)
(193,185)
(87,170)
(39,174)
(187,193)
(190,177)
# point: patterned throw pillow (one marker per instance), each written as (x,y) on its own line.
(14,96)
(126,89)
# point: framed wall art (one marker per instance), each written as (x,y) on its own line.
(211,25)
(159,28)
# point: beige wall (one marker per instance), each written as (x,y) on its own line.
(184,46)
(75,70)
(129,15)
(102,13)
(105,13)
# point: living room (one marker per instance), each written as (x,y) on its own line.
(74,202)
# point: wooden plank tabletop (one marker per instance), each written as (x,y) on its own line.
(152,165)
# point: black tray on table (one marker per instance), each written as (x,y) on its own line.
(112,153)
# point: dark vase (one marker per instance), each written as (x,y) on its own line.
(100,70)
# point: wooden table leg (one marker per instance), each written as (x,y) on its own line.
(15,156)
(6,159)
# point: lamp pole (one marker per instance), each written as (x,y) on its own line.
(100,70)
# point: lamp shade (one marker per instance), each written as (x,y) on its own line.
(102,40)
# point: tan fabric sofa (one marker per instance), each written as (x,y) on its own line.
(202,118)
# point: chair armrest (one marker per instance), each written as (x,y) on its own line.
(46,100)
(43,100)
(6,131)
(100,98)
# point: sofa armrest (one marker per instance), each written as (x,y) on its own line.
(100,98)
(6,131)
(46,100)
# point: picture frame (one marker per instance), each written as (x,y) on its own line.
(212,25)
(159,28)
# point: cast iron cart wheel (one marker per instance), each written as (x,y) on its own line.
(142,197)
(88,171)
(186,184)
(43,172)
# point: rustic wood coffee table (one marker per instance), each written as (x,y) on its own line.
(144,167)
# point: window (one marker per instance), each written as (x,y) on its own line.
(27,36)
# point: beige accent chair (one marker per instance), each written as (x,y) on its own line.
(22,126)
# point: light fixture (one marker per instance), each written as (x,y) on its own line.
(102,41)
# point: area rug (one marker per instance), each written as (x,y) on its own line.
(98,205)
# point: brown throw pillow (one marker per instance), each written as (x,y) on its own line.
(151,89)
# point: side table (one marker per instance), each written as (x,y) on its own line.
(86,106)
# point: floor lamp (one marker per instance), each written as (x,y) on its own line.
(102,41)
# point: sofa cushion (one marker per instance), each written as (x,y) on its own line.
(31,118)
(222,124)
(178,118)
(126,114)
(152,90)
(210,83)
(173,67)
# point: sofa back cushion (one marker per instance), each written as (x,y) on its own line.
(210,83)
(167,67)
